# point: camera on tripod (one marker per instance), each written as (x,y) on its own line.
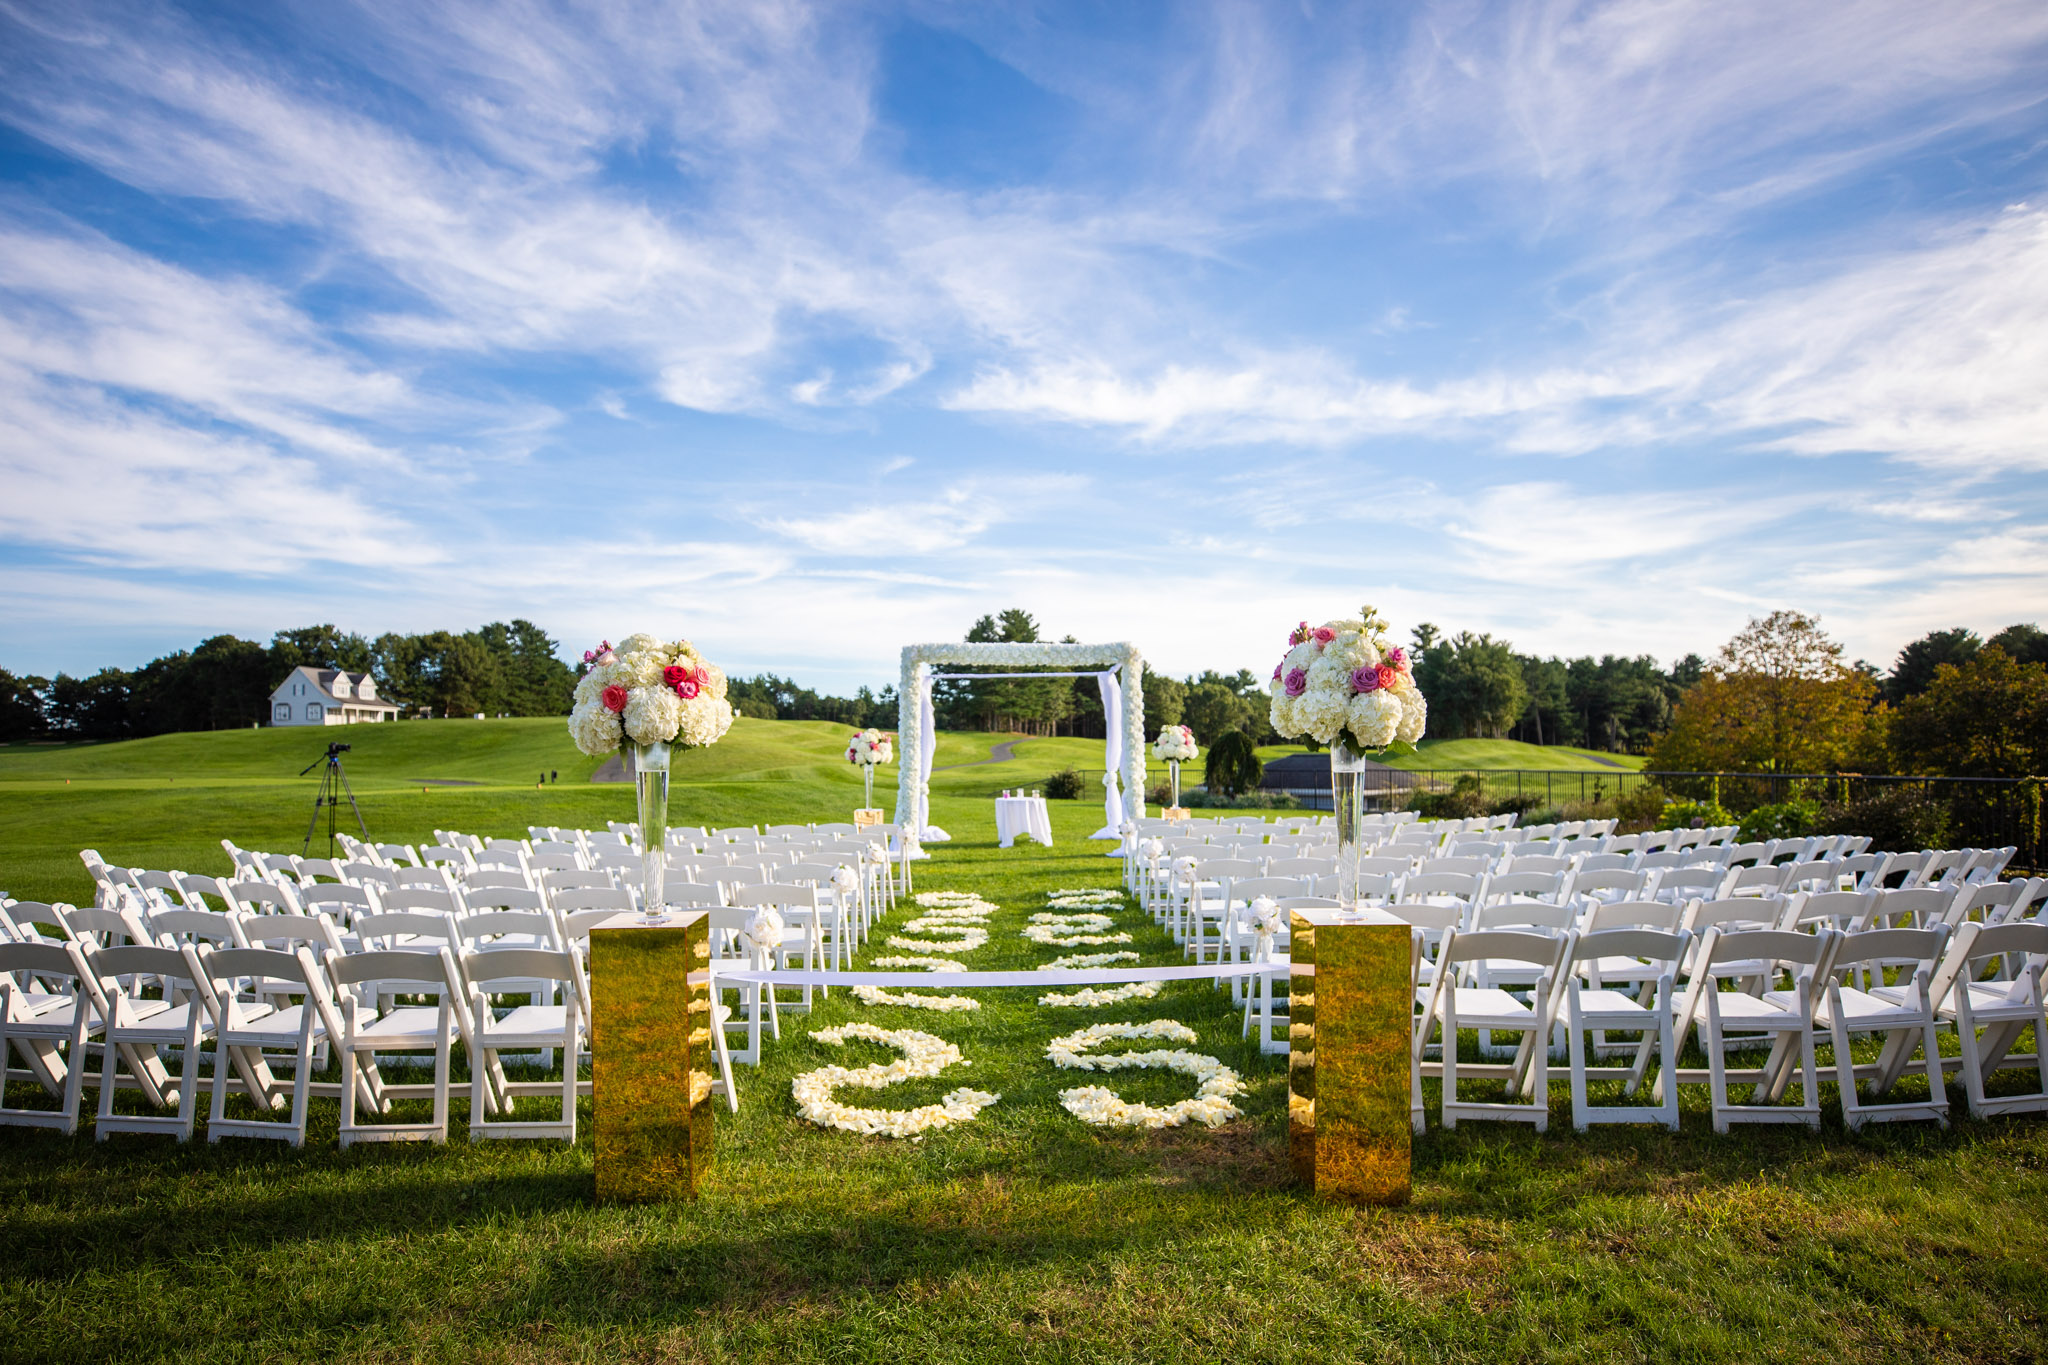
(334,789)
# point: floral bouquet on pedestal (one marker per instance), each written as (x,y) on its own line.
(865,750)
(1175,746)
(656,696)
(1343,684)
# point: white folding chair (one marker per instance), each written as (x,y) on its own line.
(48,1027)
(1781,1013)
(537,1026)
(135,1027)
(253,1035)
(1591,1004)
(367,1030)
(1903,1013)
(1452,1005)
(1991,1015)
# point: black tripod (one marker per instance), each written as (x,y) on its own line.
(333,787)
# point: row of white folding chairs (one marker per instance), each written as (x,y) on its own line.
(275,999)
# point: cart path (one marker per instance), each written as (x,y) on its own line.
(997,753)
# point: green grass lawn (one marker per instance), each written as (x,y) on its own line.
(1021,1236)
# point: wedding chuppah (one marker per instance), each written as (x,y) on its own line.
(1118,670)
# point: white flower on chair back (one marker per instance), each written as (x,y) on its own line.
(1263,917)
(764,930)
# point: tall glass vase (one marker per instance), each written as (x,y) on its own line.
(1347,800)
(650,780)
(1173,777)
(867,778)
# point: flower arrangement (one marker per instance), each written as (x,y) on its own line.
(1176,744)
(923,1056)
(945,1004)
(1098,1105)
(868,748)
(1343,681)
(764,930)
(650,692)
(1081,962)
(1090,997)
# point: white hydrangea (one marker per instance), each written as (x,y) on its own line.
(640,670)
(1301,656)
(714,680)
(595,730)
(639,644)
(1414,715)
(1322,713)
(702,721)
(1374,716)
(590,686)
(653,714)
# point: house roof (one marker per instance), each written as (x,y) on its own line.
(323,679)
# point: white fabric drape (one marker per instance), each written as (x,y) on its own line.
(1113,754)
(927,745)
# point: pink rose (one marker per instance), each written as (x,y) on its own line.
(1386,676)
(1365,679)
(615,698)
(1298,634)
(1398,657)
(1297,681)
(687,689)
(1324,635)
(607,658)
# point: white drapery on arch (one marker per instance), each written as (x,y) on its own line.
(1123,776)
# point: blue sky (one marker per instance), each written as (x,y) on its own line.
(810,331)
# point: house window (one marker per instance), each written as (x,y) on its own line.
(312,710)
(281,712)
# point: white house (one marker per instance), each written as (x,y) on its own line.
(324,696)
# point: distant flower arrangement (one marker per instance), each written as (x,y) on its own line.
(1343,678)
(869,747)
(650,692)
(1176,744)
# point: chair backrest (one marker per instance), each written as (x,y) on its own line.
(1661,862)
(1436,918)
(1226,869)
(1648,945)
(397,855)
(133,960)
(32,918)
(1502,945)
(1682,883)
(420,899)
(1381,865)
(1305,867)
(1917,908)
(1538,862)
(1542,886)
(1765,879)
(370,874)
(780,896)
(386,932)
(1659,915)
(98,927)
(270,971)
(441,855)
(1819,875)
(1740,913)
(1471,867)
(690,894)
(1524,915)
(345,903)
(259,898)
(476,900)
(611,900)
(1419,884)
(1606,862)
(554,883)
(526,964)
(1250,888)
(480,930)
(1890,947)
(1738,949)
(495,878)
(556,858)
(316,932)
(193,926)
(1610,883)
(1477,848)
(435,968)
(1840,910)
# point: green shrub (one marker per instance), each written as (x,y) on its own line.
(1694,815)
(1233,765)
(1515,803)
(1640,808)
(1465,799)
(1064,785)
(1783,820)
(1549,815)
(1899,820)
(1251,800)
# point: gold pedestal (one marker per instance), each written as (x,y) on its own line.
(867,817)
(650,1056)
(1349,1011)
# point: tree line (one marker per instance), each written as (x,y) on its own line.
(225,682)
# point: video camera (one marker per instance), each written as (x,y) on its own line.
(333,749)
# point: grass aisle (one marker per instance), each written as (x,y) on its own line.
(1025,1234)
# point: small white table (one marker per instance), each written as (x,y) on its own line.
(1024,815)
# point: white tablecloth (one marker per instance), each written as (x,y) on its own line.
(1026,815)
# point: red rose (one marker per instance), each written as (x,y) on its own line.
(1386,676)
(615,698)
(674,674)
(687,689)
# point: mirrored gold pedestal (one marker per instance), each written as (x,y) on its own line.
(650,1054)
(1349,1012)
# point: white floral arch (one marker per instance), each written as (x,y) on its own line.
(1123,710)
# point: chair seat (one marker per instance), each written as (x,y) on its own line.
(525,1026)
(1867,1010)
(277,1028)
(1772,1010)
(165,1024)
(1487,1007)
(1608,1003)
(1992,1003)
(53,1021)
(412,1026)
(1621,969)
